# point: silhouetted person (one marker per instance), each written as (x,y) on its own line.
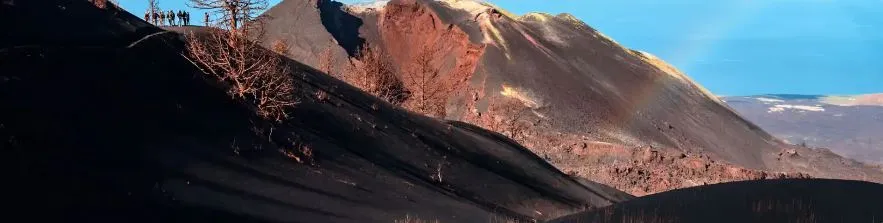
(155,18)
(206,19)
(180,17)
(171,16)
(147,16)
(187,16)
(162,18)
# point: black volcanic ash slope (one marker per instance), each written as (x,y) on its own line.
(103,120)
(805,200)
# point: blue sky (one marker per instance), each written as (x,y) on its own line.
(733,47)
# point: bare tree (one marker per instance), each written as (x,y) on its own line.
(422,81)
(152,10)
(506,116)
(234,14)
(375,75)
(152,6)
(253,74)
(511,117)
(429,88)
(326,61)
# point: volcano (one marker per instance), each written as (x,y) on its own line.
(599,102)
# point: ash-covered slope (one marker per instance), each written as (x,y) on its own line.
(112,124)
(750,201)
(579,80)
(851,126)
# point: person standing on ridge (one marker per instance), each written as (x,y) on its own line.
(180,17)
(187,16)
(171,15)
(147,16)
(155,18)
(162,18)
(172,18)
(206,19)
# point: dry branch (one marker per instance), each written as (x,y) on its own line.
(375,75)
(253,74)
(234,14)
(429,89)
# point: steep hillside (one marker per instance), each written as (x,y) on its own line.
(103,120)
(851,126)
(589,84)
(578,84)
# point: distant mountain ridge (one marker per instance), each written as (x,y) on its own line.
(851,126)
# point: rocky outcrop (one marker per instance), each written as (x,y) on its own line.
(645,170)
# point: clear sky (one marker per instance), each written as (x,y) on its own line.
(733,47)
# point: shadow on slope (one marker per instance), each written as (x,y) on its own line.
(341,25)
(116,126)
(751,201)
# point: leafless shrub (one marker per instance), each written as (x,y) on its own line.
(506,116)
(409,219)
(437,175)
(99,3)
(497,218)
(251,73)
(321,95)
(326,61)
(301,153)
(375,75)
(281,47)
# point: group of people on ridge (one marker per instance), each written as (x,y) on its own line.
(160,18)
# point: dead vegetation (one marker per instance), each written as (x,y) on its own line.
(252,74)
(423,81)
(280,47)
(300,153)
(234,14)
(375,75)
(429,89)
(326,61)
(506,116)
(103,4)
(422,88)
(409,219)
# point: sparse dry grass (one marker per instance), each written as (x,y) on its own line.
(409,219)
